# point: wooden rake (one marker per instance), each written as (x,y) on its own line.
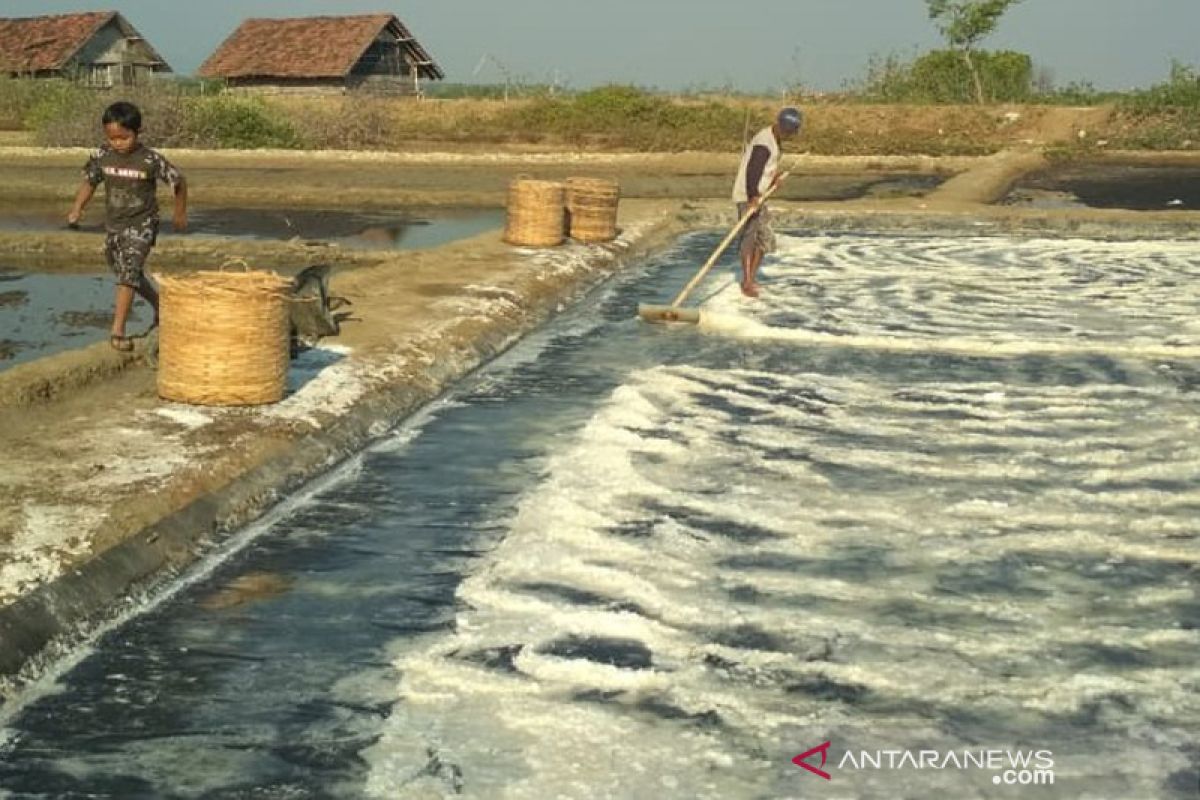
(676,312)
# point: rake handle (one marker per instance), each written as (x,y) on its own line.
(741,223)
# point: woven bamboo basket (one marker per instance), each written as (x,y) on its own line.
(592,209)
(223,337)
(535,213)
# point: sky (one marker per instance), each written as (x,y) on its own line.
(752,45)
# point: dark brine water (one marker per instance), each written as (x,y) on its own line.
(41,314)
(409,229)
(931,494)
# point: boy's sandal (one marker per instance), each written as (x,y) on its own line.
(121,343)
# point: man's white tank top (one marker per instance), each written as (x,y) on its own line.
(765,138)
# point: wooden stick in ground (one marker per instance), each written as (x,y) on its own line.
(741,223)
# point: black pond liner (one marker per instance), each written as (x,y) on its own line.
(851,186)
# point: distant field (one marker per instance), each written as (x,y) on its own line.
(608,119)
(831,129)
(16,138)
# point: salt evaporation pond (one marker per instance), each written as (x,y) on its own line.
(1139,187)
(42,314)
(931,494)
(413,228)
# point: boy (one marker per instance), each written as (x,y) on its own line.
(757,172)
(129,171)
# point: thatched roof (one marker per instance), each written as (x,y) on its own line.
(309,47)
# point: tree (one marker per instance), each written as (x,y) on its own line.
(964,23)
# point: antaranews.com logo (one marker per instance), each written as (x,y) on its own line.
(1008,767)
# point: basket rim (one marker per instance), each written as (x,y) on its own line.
(210,274)
(243,283)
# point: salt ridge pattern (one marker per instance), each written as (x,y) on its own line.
(966,521)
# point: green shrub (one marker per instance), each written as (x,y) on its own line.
(625,116)
(616,104)
(69,115)
(1165,116)
(1181,93)
(887,80)
(439,90)
(942,76)
(19,97)
(1076,93)
(228,121)
(54,101)
(66,115)
(173,116)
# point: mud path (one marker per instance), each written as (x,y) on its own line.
(386,180)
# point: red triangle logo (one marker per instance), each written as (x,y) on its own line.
(823,749)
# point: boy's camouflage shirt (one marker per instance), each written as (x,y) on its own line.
(130,183)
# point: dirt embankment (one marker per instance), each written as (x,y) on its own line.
(284,178)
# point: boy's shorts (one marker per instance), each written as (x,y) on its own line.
(126,251)
(756,233)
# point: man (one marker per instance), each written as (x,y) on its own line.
(757,173)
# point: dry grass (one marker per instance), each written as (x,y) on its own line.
(614,119)
(16,138)
(831,129)
(384,123)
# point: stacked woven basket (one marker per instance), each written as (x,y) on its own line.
(535,213)
(544,213)
(592,209)
(223,339)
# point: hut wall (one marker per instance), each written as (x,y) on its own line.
(383,68)
(271,85)
(111,58)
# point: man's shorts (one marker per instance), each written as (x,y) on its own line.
(756,233)
(126,251)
